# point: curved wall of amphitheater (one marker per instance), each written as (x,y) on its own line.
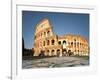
(50,44)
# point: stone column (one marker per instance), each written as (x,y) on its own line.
(60,53)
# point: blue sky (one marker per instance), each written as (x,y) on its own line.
(63,23)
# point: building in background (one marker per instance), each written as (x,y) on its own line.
(47,43)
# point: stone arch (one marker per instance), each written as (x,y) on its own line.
(78,51)
(80,44)
(69,52)
(58,52)
(48,51)
(59,42)
(71,43)
(48,33)
(44,33)
(52,52)
(43,43)
(64,42)
(48,42)
(52,41)
(64,52)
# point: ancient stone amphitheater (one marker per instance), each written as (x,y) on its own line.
(47,43)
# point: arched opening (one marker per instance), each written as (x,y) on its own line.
(69,53)
(43,43)
(48,33)
(64,42)
(58,52)
(52,52)
(44,33)
(48,52)
(78,51)
(48,42)
(53,41)
(80,44)
(75,40)
(64,52)
(71,43)
(59,42)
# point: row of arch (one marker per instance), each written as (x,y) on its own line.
(44,43)
(72,43)
(52,42)
(48,42)
(43,34)
(52,52)
(58,52)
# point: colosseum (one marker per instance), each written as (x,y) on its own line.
(47,43)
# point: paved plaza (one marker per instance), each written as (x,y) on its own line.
(55,62)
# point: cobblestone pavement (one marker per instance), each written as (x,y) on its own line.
(55,62)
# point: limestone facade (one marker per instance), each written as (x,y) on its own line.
(46,41)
